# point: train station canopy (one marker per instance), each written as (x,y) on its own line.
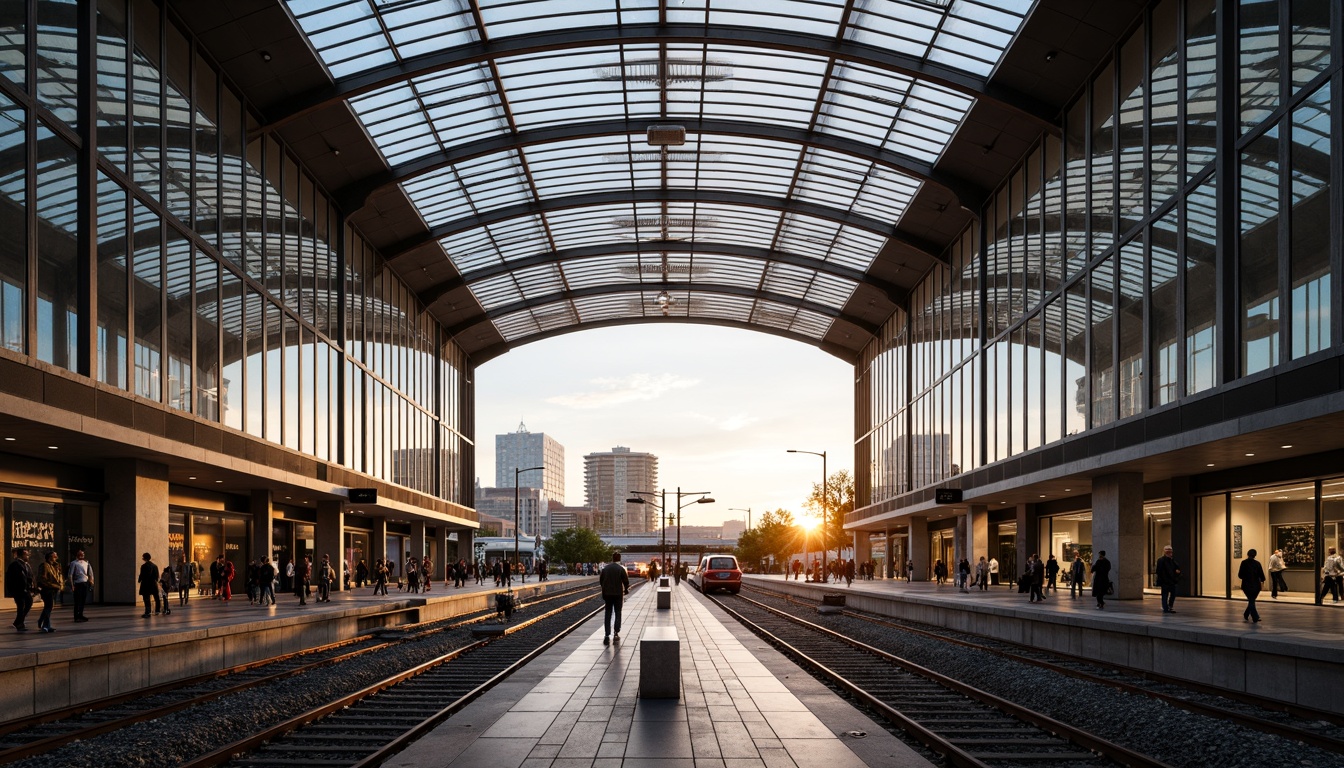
(537,167)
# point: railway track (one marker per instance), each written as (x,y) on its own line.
(367,727)
(970,728)
(1258,713)
(43,733)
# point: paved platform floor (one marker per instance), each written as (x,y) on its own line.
(743,705)
(114,623)
(1293,622)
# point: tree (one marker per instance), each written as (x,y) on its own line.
(839,502)
(775,537)
(577,545)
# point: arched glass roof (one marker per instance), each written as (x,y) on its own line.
(519,131)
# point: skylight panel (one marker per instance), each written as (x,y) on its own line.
(817,17)
(506,18)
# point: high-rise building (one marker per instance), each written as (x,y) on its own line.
(499,502)
(611,478)
(524,449)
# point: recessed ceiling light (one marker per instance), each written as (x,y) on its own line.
(1250,454)
(53,447)
(1208,465)
(1286,446)
(1066,490)
(193,477)
(218,481)
(289,497)
(9,439)
(1042,495)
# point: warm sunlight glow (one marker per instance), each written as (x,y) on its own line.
(809,524)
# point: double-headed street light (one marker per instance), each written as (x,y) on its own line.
(823,509)
(516,472)
(704,499)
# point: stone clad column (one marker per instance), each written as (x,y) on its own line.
(978,542)
(465,544)
(863,549)
(445,557)
(329,539)
(418,539)
(377,540)
(889,570)
(263,515)
(919,547)
(960,547)
(1118,530)
(135,521)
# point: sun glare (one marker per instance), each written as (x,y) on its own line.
(809,523)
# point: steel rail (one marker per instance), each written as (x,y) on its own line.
(254,741)
(43,745)
(1284,730)
(1093,743)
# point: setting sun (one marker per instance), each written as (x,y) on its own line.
(809,523)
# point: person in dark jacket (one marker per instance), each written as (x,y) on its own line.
(50,583)
(615,586)
(19,585)
(1252,576)
(1077,573)
(361,574)
(1052,574)
(1037,579)
(1101,578)
(149,584)
(1168,576)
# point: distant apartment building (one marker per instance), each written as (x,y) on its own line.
(611,478)
(563,517)
(733,529)
(522,450)
(498,502)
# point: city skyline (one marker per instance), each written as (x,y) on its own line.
(719,407)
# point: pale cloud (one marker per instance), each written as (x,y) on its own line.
(733,423)
(627,389)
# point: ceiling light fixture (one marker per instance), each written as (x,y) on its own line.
(192,477)
(1286,446)
(265,55)
(9,439)
(53,447)
(217,482)
(1250,454)
(1050,56)
(1208,465)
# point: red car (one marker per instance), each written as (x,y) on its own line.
(719,572)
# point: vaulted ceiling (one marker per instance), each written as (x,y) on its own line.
(537,167)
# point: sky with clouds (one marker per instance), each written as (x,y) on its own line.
(717,406)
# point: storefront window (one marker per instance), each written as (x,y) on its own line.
(41,526)
(213,535)
(1213,556)
(1003,547)
(356,549)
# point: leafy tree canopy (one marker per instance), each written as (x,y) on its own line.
(577,545)
(838,501)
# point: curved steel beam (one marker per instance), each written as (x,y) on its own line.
(641,288)
(486,354)
(895,293)
(355,195)
(1037,111)
(550,205)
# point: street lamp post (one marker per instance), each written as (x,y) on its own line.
(667,518)
(824,500)
(516,472)
(740,509)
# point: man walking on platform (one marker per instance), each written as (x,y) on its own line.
(615,586)
(1077,574)
(1168,575)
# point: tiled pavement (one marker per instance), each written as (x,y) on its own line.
(742,705)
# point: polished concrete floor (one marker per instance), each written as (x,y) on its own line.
(742,705)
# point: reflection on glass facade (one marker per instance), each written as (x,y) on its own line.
(1126,266)
(225,284)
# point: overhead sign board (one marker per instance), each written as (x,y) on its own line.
(363,495)
(947,495)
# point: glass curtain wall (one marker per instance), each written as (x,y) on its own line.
(1103,252)
(223,272)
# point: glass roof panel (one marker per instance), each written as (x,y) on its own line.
(806,89)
